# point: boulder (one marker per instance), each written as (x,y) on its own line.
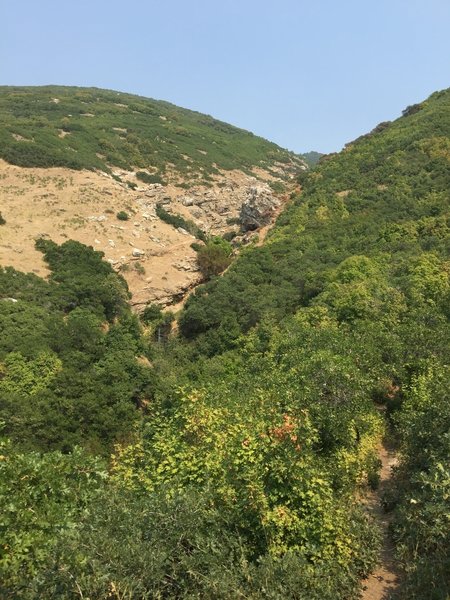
(197,213)
(258,208)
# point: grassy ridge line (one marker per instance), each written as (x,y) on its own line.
(90,128)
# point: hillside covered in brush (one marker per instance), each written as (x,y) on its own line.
(72,159)
(382,204)
(90,128)
(357,270)
(228,460)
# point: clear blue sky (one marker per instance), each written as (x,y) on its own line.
(307,75)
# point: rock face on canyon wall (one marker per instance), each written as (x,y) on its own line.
(258,208)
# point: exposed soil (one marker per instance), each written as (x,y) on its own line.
(383,581)
(61,204)
(155,258)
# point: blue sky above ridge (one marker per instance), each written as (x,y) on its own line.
(306,75)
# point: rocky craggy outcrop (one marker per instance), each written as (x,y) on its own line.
(156,259)
(235,201)
(258,208)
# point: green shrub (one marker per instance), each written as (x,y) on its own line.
(139,268)
(230,235)
(122,215)
(179,221)
(277,186)
(152,313)
(147,178)
(214,257)
(160,322)
(421,517)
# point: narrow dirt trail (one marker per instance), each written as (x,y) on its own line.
(383,581)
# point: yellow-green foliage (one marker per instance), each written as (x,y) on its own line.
(26,377)
(422,518)
(259,463)
(430,280)
(268,442)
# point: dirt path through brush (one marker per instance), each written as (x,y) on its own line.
(383,581)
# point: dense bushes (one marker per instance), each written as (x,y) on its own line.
(147,178)
(105,128)
(214,257)
(95,539)
(280,432)
(243,480)
(43,498)
(67,377)
(422,523)
(241,485)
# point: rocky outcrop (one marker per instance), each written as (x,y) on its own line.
(83,206)
(258,208)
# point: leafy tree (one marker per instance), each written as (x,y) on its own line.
(421,526)
(42,498)
(214,257)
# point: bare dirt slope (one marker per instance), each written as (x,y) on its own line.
(155,258)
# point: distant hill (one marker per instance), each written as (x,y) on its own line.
(75,158)
(90,128)
(312,158)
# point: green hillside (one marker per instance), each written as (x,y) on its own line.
(357,272)
(89,128)
(229,461)
(385,197)
(312,158)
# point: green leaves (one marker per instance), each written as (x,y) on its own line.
(28,377)
(280,433)
(42,498)
(66,376)
(214,257)
(421,498)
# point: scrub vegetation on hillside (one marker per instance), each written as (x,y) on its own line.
(90,128)
(229,460)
